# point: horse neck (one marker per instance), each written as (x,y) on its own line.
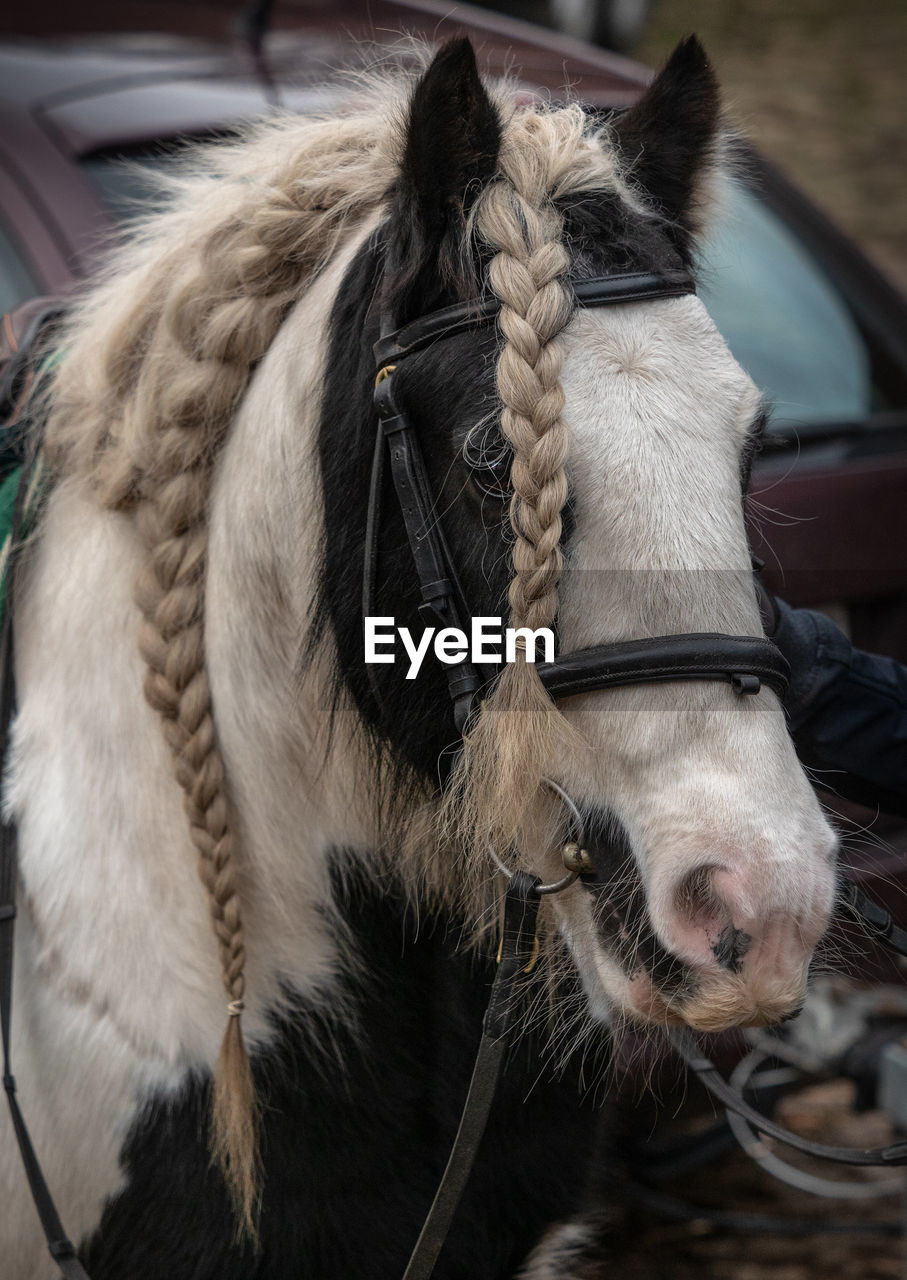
(105,847)
(297,766)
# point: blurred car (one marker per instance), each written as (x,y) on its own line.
(616,24)
(83,88)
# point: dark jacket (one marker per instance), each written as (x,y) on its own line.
(846,709)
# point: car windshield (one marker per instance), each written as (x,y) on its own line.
(782,318)
(780,315)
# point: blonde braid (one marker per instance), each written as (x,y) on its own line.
(170,594)
(513,742)
(535,308)
(159,356)
(209,342)
(171,520)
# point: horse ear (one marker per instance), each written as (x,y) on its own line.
(669,139)
(453,134)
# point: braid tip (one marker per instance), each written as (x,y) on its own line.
(234,1127)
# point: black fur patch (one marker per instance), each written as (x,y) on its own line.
(731,947)
(356,1131)
(668,138)
(607,236)
(452,141)
(445,390)
(620,910)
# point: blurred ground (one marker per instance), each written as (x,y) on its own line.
(652,1249)
(821,87)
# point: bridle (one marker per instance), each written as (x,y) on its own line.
(746,662)
(743,661)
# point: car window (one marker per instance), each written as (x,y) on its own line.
(782,318)
(17,283)
(126,181)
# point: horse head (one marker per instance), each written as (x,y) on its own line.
(588,470)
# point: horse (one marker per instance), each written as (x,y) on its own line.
(198,740)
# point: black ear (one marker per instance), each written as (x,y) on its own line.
(453,134)
(668,139)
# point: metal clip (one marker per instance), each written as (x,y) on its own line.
(577,859)
(746,683)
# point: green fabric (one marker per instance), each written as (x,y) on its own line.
(8,501)
(9,485)
(35,484)
(8,490)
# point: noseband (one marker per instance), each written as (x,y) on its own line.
(743,661)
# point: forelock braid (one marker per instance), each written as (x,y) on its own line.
(526,276)
(507,752)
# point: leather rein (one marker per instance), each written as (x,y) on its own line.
(746,662)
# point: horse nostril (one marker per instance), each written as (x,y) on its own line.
(694,897)
(703,929)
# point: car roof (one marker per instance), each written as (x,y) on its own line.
(171,70)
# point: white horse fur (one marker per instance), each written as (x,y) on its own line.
(117,984)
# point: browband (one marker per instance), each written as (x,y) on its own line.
(599,291)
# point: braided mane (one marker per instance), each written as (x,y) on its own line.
(159,356)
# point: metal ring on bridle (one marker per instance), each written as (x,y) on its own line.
(556,886)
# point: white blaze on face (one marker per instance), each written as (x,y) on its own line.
(725,829)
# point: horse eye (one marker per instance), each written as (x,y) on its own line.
(489,457)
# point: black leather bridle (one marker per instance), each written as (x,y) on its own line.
(745,661)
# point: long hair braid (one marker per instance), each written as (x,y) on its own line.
(169,591)
(506,752)
(208,337)
(171,518)
(160,355)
